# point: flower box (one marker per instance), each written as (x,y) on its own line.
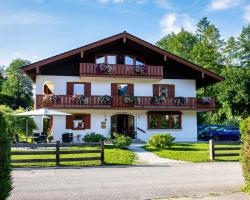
(180,100)
(105,100)
(204,100)
(103,68)
(50,99)
(157,100)
(131,99)
(140,69)
(79,99)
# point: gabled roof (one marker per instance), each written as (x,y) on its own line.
(122,35)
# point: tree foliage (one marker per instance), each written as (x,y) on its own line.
(17,86)
(230,59)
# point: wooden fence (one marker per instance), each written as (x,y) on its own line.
(58,152)
(213,149)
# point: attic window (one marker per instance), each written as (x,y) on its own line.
(109,59)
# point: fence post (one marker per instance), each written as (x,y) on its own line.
(102,151)
(211,149)
(57,153)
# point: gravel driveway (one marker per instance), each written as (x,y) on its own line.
(127,182)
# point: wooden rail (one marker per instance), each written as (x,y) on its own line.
(213,149)
(145,103)
(121,70)
(58,152)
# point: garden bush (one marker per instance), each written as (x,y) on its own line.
(93,137)
(121,141)
(161,140)
(5,167)
(245,152)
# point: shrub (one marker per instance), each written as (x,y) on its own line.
(161,140)
(121,141)
(245,152)
(93,137)
(5,168)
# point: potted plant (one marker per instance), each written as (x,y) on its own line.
(105,100)
(131,99)
(180,100)
(103,68)
(140,69)
(50,99)
(50,138)
(158,100)
(79,99)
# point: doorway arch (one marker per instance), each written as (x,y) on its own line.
(123,124)
(48,88)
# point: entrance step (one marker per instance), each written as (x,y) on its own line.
(137,141)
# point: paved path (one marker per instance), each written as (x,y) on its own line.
(128,182)
(145,157)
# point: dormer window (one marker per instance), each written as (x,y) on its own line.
(108,59)
(134,60)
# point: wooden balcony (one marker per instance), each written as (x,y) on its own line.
(145,103)
(120,70)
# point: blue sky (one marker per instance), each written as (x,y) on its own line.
(37,29)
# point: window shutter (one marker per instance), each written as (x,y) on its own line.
(171,90)
(70,88)
(69,122)
(87,89)
(87,121)
(114,89)
(155,90)
(131,89)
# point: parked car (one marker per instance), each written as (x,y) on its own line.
(202,129)
(222,133)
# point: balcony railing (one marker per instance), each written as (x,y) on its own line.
(90,69)
(144,103)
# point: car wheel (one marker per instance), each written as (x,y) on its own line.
(217,138)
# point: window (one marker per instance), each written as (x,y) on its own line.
(48,88)
(163,90)
(134,60)
(109,59)
(129,60)
(122,89)
(78,89)
(164,120)
(100,59)
(78,122)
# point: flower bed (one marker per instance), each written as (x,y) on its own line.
(79,99)
(103,68)
(158,100)
(131,99)
(50,99)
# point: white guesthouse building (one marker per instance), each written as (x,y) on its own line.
(121,84)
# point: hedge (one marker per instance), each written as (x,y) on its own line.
(245,152)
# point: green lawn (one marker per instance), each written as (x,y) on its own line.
(112,156)
(194,152)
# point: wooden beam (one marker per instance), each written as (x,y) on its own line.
(37,70)
(82,54)
(165,58)
(124,39)
(203,75)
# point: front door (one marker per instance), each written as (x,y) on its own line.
(123,124)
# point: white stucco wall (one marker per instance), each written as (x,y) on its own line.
(183,87)
(188,132)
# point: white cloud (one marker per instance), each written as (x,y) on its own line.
(246,15)
(223,4)
(26,18)
(169,23)
(163,4)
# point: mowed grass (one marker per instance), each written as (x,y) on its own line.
(193,152)
(112,156)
